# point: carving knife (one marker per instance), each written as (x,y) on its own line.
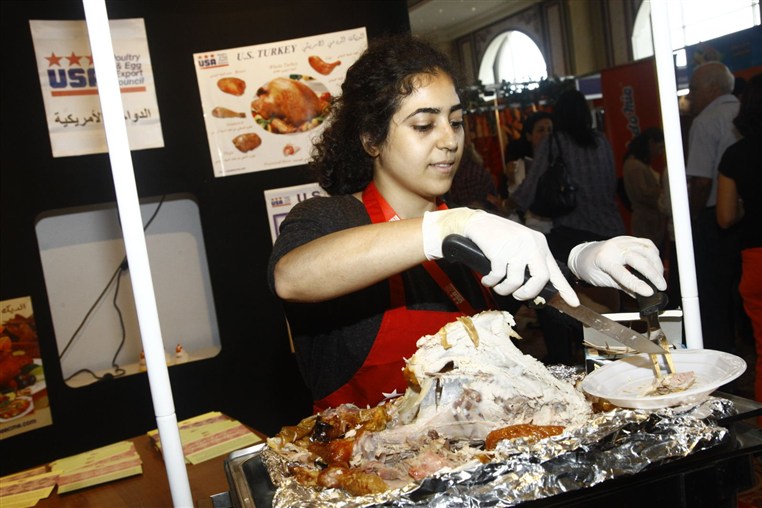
(457,248)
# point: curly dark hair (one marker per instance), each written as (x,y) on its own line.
(371,94)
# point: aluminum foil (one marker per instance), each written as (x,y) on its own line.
(568,373)
(617,443)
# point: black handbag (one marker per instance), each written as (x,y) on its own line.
(556,194)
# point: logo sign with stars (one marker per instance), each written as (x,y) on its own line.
(70,89)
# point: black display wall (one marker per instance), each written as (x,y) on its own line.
(254,379)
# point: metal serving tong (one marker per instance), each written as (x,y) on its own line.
(457,248)
(650,307)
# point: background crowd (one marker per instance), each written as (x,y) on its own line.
(723,170)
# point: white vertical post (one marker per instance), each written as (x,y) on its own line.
(135,245)
(681,218)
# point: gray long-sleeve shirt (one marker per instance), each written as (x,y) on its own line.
(592,170)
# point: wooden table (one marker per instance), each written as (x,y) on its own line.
(148,490)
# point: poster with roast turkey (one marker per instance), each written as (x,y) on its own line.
(264,104)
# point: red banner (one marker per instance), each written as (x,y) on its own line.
(631,103)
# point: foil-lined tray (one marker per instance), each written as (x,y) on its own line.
(617,443)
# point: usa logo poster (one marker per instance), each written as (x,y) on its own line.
(70,91)
(263,105)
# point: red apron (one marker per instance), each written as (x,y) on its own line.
(381,374)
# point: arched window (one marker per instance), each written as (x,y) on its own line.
(513,57)
(693,21)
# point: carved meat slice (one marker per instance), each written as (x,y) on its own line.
(671,383)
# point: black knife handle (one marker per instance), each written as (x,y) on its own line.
(459,249)
(650,304)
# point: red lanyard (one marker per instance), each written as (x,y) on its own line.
(380,211)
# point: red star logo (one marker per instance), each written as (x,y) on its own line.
(73,59)
(53,60)
(90,60)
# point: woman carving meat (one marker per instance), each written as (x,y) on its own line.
(359,272)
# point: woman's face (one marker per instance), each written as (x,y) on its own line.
(419,158)
(540,129)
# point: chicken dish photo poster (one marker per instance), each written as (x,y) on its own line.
(70,91)
(23,393)
(264,104)
(280,201)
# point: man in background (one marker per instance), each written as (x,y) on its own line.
(716,251)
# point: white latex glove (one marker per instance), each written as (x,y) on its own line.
(510,247)
(604,264)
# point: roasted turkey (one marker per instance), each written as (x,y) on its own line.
(469,379)
(468,384)
(289,100)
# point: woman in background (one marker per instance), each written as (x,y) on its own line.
(643,185)
(739,188)
(590,165)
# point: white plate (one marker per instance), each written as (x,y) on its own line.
(623,382)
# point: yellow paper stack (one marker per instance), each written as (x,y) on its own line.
(210,435)
(25,489)
(101,465)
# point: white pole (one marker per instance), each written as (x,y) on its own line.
(681,218)
(135,246)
